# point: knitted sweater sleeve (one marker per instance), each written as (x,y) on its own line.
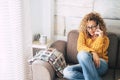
(81,43)
(101,44)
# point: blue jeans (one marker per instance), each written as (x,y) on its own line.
(86,69)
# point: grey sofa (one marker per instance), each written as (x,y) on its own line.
(43,70)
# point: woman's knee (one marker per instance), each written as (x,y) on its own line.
(67,72)
(103,67)
(83,55)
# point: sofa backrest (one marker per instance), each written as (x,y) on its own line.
(72,48)
(112,50)
(118,55)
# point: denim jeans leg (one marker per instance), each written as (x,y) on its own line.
(103,67)
(73,72)
(88,67)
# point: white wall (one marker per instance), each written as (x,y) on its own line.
(42,13)
(48,18)
(36,15)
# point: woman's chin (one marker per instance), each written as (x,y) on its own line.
(92,34)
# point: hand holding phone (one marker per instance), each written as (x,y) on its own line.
(98,31)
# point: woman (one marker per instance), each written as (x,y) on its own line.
(92,48)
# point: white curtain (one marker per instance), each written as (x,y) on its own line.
(15,40)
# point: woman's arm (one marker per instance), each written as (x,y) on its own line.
(81,43)
(101,44)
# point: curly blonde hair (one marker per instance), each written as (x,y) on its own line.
(95,17)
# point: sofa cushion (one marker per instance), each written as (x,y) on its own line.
(112,50)
(118,56)
(61,79)
(72,46)
(60,45)
(109,75)
(117,74)
(118,61)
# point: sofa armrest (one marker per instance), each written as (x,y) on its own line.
(42,70)
(60,45)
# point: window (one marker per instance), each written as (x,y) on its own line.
(14,40)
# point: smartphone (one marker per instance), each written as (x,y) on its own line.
(97,32)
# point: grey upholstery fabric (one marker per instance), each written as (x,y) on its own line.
(109,75)
(60,46)
(117,74)
(72,46)
(112,50)
(118,57)
(42,70)
(61,79)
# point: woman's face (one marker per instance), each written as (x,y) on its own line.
(91,27)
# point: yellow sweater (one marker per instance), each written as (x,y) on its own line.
(99,45)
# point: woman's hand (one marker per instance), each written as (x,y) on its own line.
(98,31)
(96,59)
